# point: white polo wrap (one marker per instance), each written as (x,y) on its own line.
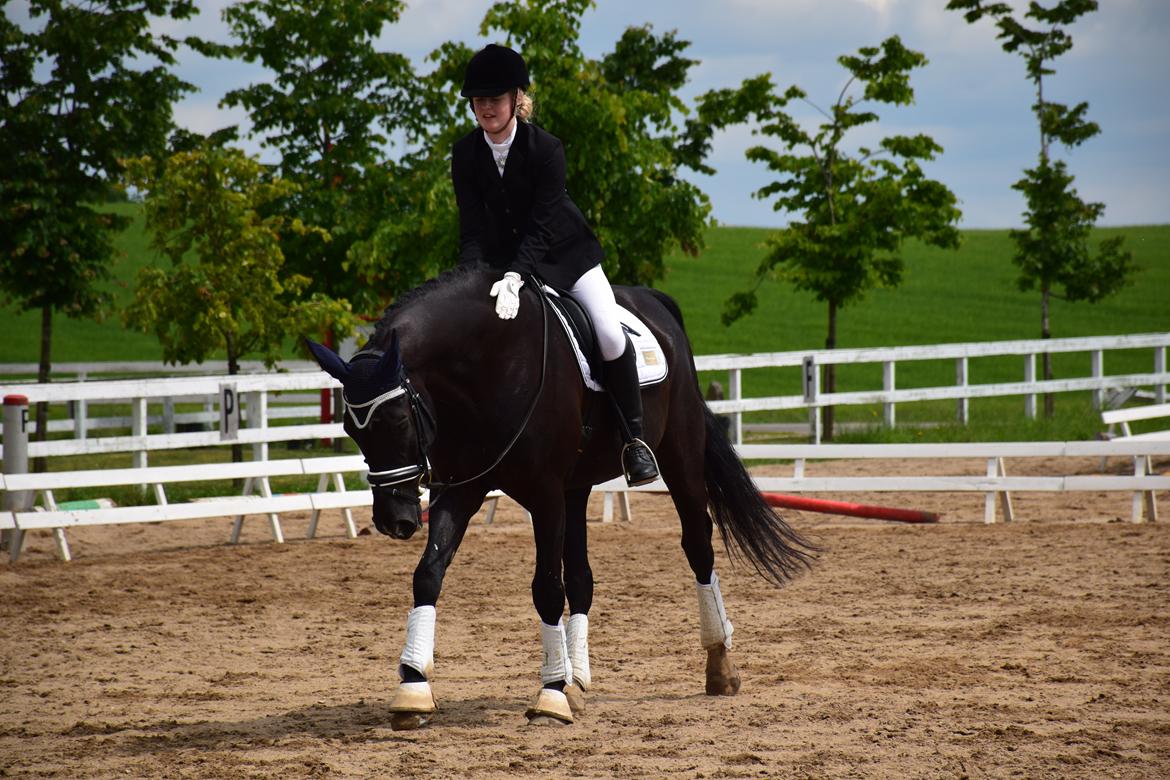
(555,666)
(714,627)
(577,635)
(419,652)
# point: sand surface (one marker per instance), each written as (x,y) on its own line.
(1034,649)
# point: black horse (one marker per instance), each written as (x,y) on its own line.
(447,394)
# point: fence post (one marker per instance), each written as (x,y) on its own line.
(80,410)
(735,390)
(15,461)
(1160,368)
(258,418)
(1030,378)
(812,389)
(1097,367)
(138,428)
(168,414)
(964,405)
(888,408)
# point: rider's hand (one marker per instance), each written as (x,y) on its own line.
(507,295)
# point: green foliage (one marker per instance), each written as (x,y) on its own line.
(329,110)
(616,117)
(77,97)
(858,208)
(1054,254)
(235,296)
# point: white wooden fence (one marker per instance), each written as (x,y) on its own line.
(259,391)
(962,391)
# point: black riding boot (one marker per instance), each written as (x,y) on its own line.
(621,380)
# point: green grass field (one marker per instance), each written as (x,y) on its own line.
(947,296)
(966,295)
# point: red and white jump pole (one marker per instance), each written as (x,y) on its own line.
(847,508)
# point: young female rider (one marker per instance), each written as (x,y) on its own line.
(515,215)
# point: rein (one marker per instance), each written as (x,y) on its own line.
(422,472)
(441,486)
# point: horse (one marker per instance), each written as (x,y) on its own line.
(447,395)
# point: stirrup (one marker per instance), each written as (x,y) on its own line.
(643,477)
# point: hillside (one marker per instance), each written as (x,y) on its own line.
(967,295)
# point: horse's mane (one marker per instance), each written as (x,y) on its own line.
(449,278)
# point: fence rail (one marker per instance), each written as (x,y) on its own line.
(262,392)
(811,396)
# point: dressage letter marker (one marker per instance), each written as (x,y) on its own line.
(229,413)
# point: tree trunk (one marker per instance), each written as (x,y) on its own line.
(44,376)
(829,378)
(1046,333)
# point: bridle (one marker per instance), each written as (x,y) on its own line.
(425,426)
(423,423)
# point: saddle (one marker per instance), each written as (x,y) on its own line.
(582,335)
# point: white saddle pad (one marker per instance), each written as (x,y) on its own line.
(651,358)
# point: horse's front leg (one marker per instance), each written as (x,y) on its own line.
(579,590)
(413,704)
(548,596)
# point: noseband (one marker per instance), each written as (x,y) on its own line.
(423,422)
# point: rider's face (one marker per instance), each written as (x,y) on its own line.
(493,113)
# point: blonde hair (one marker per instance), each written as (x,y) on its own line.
(524,105)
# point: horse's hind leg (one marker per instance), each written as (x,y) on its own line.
(579,590)
(680,458)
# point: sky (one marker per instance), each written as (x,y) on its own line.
(973,97)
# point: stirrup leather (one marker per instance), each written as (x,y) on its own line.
(642,479)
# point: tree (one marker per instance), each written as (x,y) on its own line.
(227,289)
(79,94)
(858,208)
(616,117)
(1053,253)
(329,111)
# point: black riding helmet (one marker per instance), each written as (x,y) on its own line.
(493,71)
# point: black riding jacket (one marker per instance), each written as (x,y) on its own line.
(524,220)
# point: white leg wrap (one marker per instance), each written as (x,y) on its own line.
(419,652)
(578,639)
(714,627)
(555,666)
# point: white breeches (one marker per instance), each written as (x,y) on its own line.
(592,290)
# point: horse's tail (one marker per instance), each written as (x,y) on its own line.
(749,526)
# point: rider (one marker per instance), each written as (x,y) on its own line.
(515,215)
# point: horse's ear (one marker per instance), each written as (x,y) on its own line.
(390,366)
(330,362)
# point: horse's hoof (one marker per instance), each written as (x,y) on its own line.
(412,707)
(546,720)
(409,721)
(550,708)
(722,676)
(576,697)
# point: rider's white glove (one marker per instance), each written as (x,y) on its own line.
(507,295)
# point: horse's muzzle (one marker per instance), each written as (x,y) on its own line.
(395,516)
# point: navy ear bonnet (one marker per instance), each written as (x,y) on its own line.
(372,373)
